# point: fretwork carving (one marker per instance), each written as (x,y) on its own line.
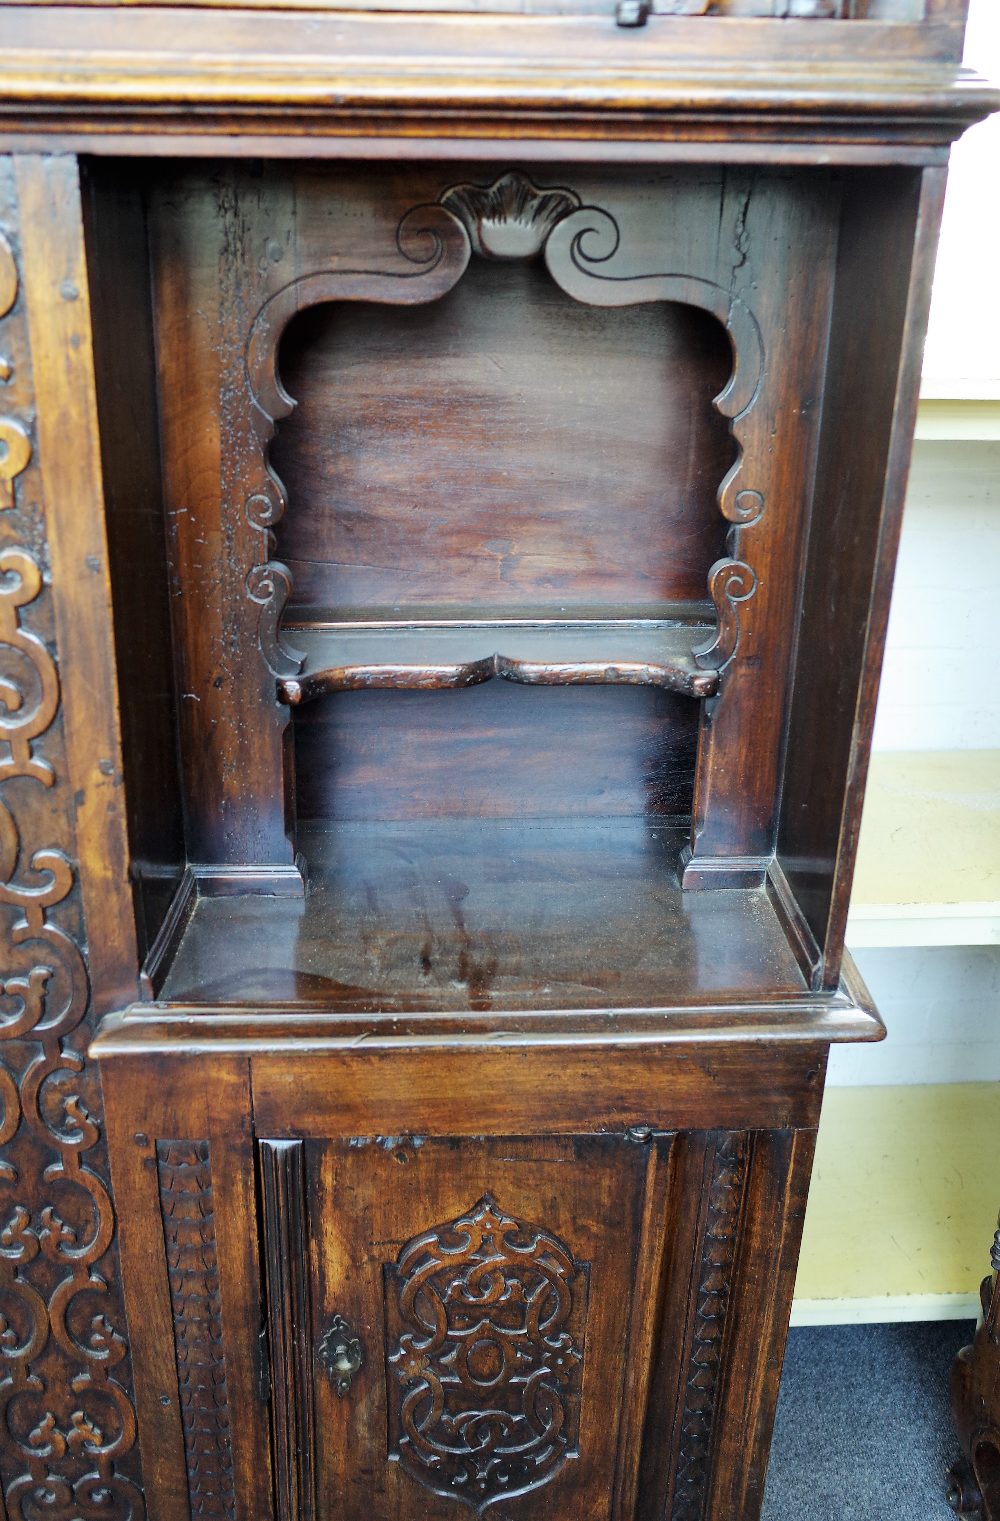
(434,247)
(66,1417)
(485,1319)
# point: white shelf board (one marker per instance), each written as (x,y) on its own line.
(928,868)
(960,388)
(968,419)
(903,1204)
(884,1308)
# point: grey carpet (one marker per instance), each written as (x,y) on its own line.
(863,1431)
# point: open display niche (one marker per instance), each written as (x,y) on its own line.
(487,501)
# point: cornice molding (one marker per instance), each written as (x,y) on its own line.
(99,72)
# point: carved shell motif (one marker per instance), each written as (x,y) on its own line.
(512,218)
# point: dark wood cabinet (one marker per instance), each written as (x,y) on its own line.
(450,472)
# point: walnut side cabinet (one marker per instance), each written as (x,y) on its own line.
(451,464)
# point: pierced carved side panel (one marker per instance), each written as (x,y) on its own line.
(188,1211)
(485,1321)
(67,1425)
(712,1288)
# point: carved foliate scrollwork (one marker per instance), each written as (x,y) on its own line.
(29,688)
(15,456)
(67,1426)
(486,1319)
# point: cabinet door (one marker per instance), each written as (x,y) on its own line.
(451,1323)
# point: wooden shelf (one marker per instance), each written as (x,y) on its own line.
(486,915)
(929,856)
(437,656)
(548,930)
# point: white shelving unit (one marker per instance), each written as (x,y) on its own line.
(905,1190)
(929,856)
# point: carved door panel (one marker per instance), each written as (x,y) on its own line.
(450,1324)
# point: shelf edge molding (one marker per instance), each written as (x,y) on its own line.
(676,676)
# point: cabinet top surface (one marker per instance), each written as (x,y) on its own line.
(334,82)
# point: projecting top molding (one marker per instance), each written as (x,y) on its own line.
(796,81)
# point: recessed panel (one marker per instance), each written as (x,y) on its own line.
(504,448)
(496,751)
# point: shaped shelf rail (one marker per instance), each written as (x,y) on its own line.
(434,657)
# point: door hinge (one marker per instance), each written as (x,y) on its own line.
(263,1367)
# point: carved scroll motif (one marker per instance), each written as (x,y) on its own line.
(511,218)
(730,582)
(486,1320)
(67,1427)
(714,1286)
(435,247)
(580,247)
(187,1208)
(15,445)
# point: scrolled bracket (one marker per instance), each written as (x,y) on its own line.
(730,582)
(270,585)
(435,247)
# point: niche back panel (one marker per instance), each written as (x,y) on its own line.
(496,751)
(504,448)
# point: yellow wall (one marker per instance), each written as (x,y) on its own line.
(905,1195)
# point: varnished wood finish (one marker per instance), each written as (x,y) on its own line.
(550,399)
(290,1332)
(117,263)
(465,1037)
(462,914)
(496,751)
(600,1166)
(650,654)
(69,1433)
(409,85)
(846,605)
(610,246)
(187,1206)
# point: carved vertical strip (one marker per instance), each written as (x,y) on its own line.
(187,1209)
(67,1425)
(282,1177)
(67,438)
(712,1288)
